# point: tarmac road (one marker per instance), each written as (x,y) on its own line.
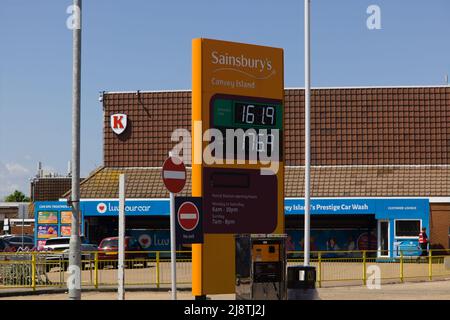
(436,290)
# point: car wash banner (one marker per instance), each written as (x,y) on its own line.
(382,208)
(330,206)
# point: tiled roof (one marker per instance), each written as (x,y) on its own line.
(351,126)
(141,183)
(350,181)
(152,117)
(370,126)
(370,181)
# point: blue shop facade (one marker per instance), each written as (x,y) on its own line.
(385,226)
(393,225)
(146,220)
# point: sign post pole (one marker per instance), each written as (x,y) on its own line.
(174,178)
(173,254)
(22,211)
(121,260)
(307,133)
(23,222)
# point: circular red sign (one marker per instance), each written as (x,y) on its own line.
(174,174)
(188,216)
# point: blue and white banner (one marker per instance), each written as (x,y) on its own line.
(405,208)
(151,240)
(292,206)
(51,206)
(382,208)
(132,208)
(330,206)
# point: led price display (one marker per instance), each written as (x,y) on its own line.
(237,113)
(261,116)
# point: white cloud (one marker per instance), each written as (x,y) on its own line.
(16,176)
(8,188)
(16,169)
(13,176)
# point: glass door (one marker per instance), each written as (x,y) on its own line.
(383,238)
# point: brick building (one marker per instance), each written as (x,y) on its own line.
(49,188)
(9,213)
(378,147)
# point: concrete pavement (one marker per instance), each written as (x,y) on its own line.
(435,290)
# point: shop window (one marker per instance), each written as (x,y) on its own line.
(134,244)
(407,228)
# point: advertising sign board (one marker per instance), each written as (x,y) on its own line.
(66,217)
(241,97)
(48,217)
(47,231)
(237,161)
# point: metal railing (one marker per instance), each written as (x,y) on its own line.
(49,269)
(152,269)
(359,267)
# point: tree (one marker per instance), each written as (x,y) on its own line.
(17,196)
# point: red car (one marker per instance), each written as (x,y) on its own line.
(109,247)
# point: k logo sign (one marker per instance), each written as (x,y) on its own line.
(118,122)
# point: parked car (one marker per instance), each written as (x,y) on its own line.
(59,248)
(108,252)
(4,246)
(62,243)
(18,241)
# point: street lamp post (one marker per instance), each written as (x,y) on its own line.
(74,285)
(307,133)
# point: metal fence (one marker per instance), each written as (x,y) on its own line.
(48,269)
(340,268)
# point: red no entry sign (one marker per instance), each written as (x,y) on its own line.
(189,220)
(188,216)
(174,174)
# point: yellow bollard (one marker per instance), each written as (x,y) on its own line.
(157,270)
(61,272)
(364,268)
(401,266)
(430,266)
(33,270)
(96,270)
(319,271)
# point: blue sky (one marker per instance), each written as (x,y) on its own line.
(146,45)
